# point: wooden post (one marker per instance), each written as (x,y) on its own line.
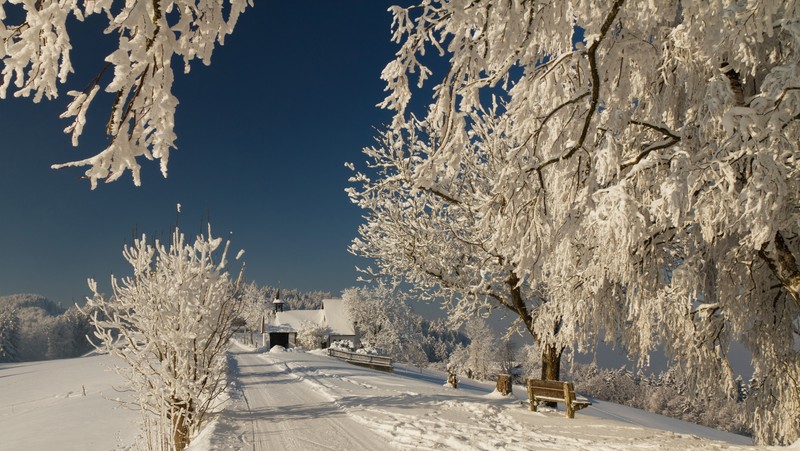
(568,397)
(452,378)
(503,384)
(530,397)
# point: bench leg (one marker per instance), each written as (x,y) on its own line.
(531,400)
(568,393)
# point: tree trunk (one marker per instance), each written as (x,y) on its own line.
(784,265)
(180,430)
(452,378)
(551,366)
(551,363)
(181,415)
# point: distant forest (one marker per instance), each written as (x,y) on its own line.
(295,299)
(33,327)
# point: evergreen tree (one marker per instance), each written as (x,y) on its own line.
(9,334)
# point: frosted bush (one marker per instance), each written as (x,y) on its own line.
(170,322)
(312,335)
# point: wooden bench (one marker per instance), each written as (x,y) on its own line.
(555,391)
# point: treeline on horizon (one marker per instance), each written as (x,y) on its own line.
(33,327)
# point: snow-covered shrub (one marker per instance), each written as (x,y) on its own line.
(311,335)
(342,345)
(174,318)
(617,386)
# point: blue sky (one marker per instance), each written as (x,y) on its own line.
(263,134)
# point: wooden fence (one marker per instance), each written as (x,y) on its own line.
(366,360)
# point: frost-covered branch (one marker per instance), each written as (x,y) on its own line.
(35,59)
(594,99)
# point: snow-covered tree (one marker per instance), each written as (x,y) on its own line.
(441,339)
(68,335)
(506,355)
(386,322)
(312,335)
(35,59)
(478,360)
(35,326)
(44,330)
(436,240)
(170,322)
(9,334)
(254,310)
(295,299)
(634,161)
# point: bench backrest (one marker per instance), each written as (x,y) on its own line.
(550,389)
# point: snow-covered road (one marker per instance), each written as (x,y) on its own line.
(277,410)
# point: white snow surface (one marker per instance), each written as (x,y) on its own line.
(42,406)
(294,320)
(337,317)
(308,401)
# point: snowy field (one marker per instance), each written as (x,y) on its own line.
(43,406)
(297,400)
